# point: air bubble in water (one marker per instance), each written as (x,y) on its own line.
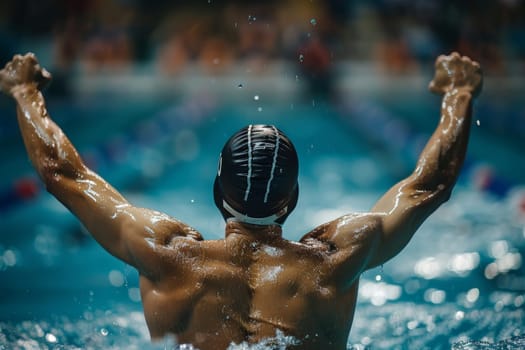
(313,21)
(301,58)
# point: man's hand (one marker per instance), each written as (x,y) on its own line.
(23,70)
(456,72)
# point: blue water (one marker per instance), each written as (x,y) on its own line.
(459,284)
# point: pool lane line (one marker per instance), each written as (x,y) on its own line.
(394,134)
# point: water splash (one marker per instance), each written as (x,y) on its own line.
(515,343)
(279,342)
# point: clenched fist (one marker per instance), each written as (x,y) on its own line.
(456,72)
(23,70)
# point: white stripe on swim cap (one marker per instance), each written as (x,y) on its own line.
(249,176)
(274,163)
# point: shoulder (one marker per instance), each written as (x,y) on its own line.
(162,227)
(351,239)
(347,230)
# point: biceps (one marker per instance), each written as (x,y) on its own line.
(138,236)
(95,203)
(402,212)
(103,211)
(406,205)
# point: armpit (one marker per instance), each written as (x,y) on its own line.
(190,232)
(318,243)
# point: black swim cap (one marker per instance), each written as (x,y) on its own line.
(256,181)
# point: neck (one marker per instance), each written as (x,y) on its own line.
(256,232)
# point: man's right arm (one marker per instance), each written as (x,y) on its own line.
(370,239)
(409,203)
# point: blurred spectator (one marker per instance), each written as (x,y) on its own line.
(109,43)
(393,55)
(397,34)
(316,66)
(216,55)
(257,36)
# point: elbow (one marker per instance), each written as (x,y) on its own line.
(50,175)
(444,191)
(53,174)
(447,193)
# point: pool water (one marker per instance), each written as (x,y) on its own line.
(459,284)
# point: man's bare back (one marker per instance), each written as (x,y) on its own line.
(251,284)
(254,283)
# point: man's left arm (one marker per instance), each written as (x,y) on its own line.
(132,234)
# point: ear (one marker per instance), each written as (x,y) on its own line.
(218,198)
(292,203)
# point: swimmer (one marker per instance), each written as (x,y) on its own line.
(253,284)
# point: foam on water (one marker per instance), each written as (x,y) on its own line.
(394,326)
(105,330)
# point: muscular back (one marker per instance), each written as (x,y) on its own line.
(245,288)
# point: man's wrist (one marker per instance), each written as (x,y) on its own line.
(461,91)
(23,90)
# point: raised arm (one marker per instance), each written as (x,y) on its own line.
(131,234)
(406,205)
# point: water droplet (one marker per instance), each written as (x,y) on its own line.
(459,315)
(116,278)
(378,278)
(301,58)
(313,21)
(134,294)
(9,258)
(104,331)
(256,97)
(51,338)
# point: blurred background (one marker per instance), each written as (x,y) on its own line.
(123,68)
(149,91)
(289,52)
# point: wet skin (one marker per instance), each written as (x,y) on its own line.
(254,282)
(250,284)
